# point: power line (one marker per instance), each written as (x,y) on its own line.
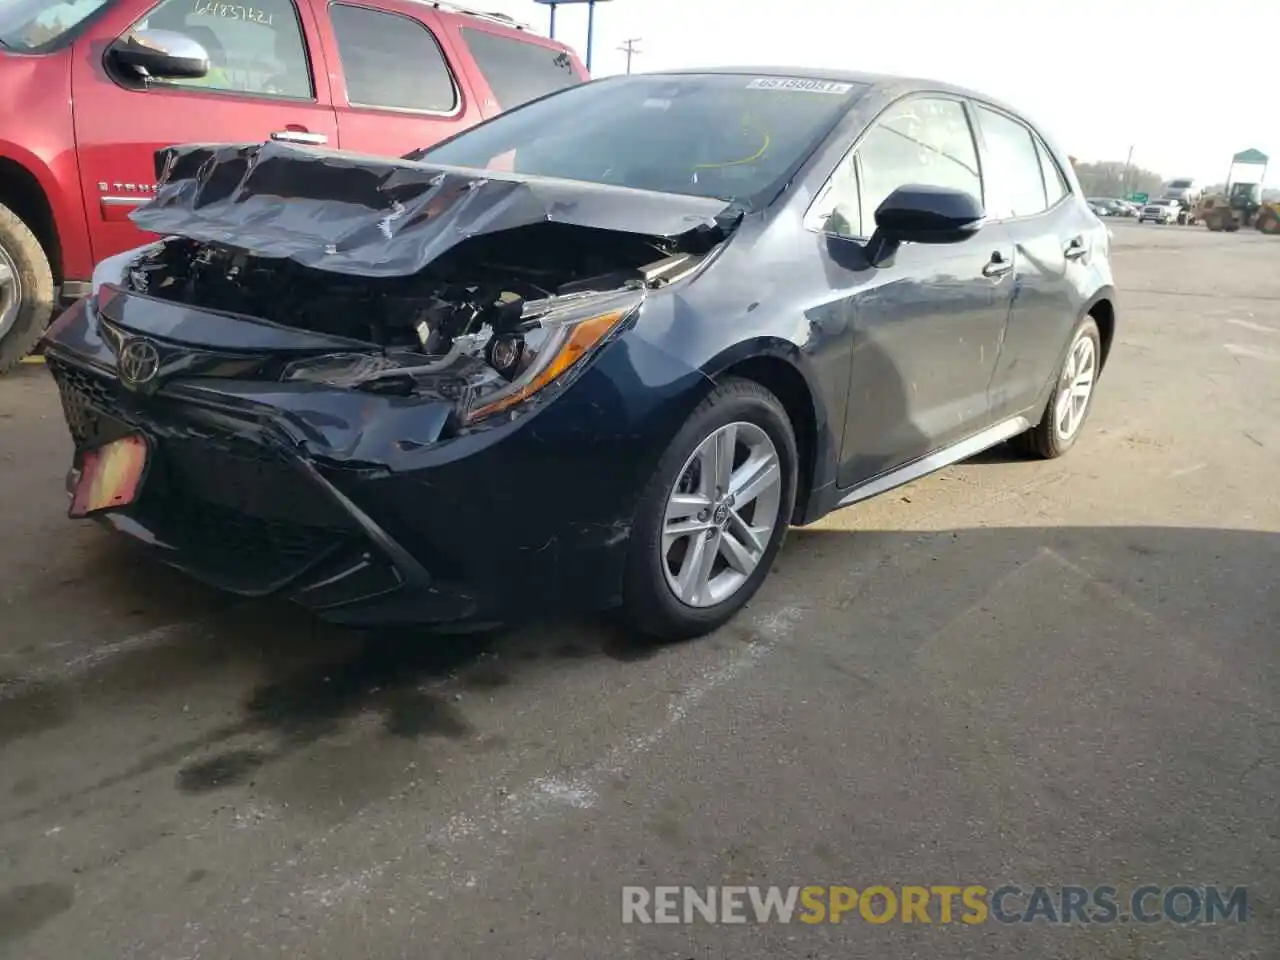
(629,47)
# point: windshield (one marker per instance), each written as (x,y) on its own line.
(31,24)
(732,136)
(1179,184)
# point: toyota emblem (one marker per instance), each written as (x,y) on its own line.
(139,362)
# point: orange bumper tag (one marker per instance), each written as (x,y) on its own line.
(110,476)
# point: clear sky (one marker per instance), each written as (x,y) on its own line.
(1186,83)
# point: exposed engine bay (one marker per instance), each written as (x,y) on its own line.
(485,281)
(478,310)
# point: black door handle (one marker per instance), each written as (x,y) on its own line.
(997,266)
(1075,249)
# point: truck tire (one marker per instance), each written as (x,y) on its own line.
(1269,223)
(26,290)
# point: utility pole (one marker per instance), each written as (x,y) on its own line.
(591,20)
(1128,162)
(629,48)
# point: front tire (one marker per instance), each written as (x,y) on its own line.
(26,290)
(714,515)
(1071,400)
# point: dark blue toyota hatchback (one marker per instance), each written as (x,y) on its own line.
(600,350)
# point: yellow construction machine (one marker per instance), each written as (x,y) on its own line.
(1240,204)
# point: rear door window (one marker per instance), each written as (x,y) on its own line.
(1012,172)
(392,62)
(518,71)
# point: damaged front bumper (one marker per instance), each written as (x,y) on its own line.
(361,506)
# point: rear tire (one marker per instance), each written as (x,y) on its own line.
(1270,224)
(26,290)
(1049,439)
(651,606)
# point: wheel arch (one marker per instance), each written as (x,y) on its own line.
(1103,310)
(782,369)
(1100,307)
(22,192)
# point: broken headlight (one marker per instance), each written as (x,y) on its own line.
(117,269)
(551,350)
(488,372)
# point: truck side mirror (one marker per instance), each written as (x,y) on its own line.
(161,54)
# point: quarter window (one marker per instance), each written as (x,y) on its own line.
(838,209)
(1014,178)
(1055,185)
(255,49)
(516,70)
(392,61)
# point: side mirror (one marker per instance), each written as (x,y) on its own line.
(918,213)
(924,214)
(163,54)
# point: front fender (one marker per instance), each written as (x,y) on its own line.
(38,139)
(791,371)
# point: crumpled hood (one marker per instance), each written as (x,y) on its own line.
(381,217)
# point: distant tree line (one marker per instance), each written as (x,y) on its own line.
(1108,178)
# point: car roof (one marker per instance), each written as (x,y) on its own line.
(884,83)
(447,8)
(847,76)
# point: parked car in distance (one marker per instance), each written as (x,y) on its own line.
(1111,207)
(90,89)
(1160,211)
(600,350)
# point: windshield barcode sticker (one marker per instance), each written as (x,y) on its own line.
(799,83)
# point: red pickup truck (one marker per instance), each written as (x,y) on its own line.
(90,89)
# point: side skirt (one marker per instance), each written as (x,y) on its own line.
(929,463)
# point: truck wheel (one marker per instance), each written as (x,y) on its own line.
(26,290)
(1269,224)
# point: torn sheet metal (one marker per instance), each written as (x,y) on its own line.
(376,216)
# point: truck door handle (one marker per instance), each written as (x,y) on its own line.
(300,136)
(997,266)
(1075,249)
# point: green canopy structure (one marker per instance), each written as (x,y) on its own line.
(1247,158)
(1251,156)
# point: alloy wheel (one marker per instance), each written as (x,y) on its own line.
(721,515)
(1076,387)
(10,291)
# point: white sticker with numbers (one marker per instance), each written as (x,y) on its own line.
(799,83)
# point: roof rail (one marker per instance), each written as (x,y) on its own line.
(493,16)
